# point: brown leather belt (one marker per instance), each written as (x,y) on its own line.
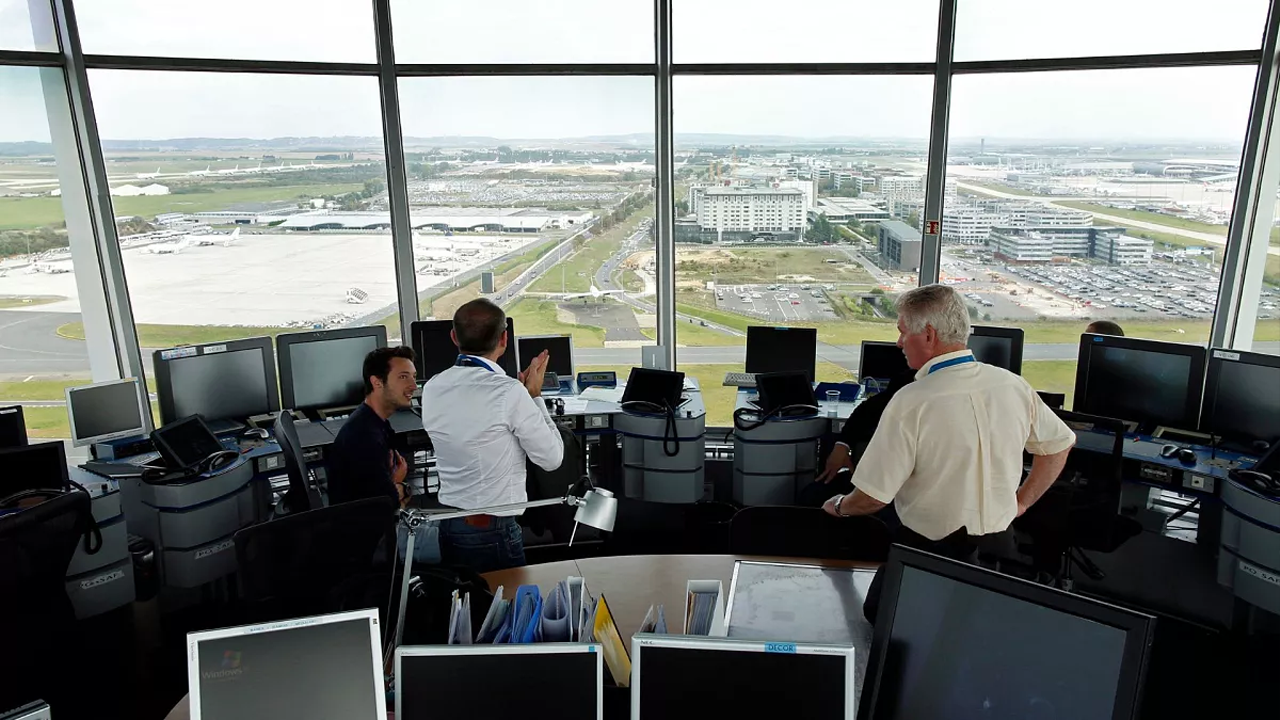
(480,521)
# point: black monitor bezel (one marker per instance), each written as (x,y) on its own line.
(1195,390)
(1014,334)
(567,340)
(811,338)
(21,423)
(38,447)
(507,362)
(164,383)
(1138,627)
(862,356)
(1213,371)
(284,353)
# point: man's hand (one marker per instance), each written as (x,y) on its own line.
(830,505)
(533,375)
(838,460)
(399,468)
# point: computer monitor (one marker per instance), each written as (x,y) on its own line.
(778,349)
(785,393)
(322,369)
(999,346)
(953,640)
(1146,382)
(693,678)
(559,352)
(219,381)
(659,388)
(13,427)
(436,352)
(37,466)
(106,411)
(320,668)
(544,680)
(882,361)
(1242,398)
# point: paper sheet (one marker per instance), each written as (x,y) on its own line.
(603,394)
(493,619)
(575,405)
(555,615)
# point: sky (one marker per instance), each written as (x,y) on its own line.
(1197,104)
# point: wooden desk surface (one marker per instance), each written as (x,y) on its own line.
(630,583)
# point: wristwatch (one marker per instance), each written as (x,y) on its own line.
(836,503)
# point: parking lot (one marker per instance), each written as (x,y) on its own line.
(777,303)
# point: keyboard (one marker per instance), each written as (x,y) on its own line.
(143,459)
(740,379)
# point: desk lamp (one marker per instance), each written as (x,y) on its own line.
(597,508)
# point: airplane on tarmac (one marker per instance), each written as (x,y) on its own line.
(148,176)
(170,248)
(201,173)
(594,293)
(39,267)
(209,240)
(232,171)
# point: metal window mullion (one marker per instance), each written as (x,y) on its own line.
(231,65)
(1254,205)
(664,201)
(111,263)
(935,180)
(397,181)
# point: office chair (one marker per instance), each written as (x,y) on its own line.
(1081,510)
(304,492)
(807,532)
(319,561)
(644,528)
(37,620)
(1054,400)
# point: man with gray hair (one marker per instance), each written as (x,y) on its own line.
(948,451)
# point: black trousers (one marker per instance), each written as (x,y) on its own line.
(959,545)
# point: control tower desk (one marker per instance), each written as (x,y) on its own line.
(104,580)
(772,463)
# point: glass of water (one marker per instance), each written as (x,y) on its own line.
(833,403)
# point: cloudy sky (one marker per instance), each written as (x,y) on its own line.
(1208,104)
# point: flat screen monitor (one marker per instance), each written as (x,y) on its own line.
(13,426)
(660,388)
(436,352)
(322,369)
(779,349)
(220,381)
(1146,382)
(37,466)
(999,346)
(106,411)
(320,668)
(1242,397)
(559,352)
(694,678)
(960,642)
(186,442)
(545,680)
(882,361)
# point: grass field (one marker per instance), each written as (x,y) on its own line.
(1058,376)
(13,301)
(1151,217)
(163,336)
(578,271)
(729,266)
(47,422)
(28,213)
(538,317)
(443,306)
(48,389)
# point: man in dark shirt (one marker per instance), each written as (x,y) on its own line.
(362,461)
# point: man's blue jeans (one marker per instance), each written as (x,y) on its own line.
(482,543)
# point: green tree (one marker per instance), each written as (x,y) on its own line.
(914,219)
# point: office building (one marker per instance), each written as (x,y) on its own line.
(970,224)
(746,212)
(899,245)
(1048,244)
(841,210)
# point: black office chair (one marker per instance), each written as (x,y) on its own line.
(807,532)
(318,561)
(653,528)
(1081,510)
(37,620)
(304,491)
(1052,399)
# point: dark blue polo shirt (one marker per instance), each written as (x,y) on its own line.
(360,459)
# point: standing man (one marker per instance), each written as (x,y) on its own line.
(362,461)
(483,425)
(948,451)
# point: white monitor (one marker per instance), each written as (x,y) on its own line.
(320,668)
(559,347)
(680,677)
(106,411)
(543,680)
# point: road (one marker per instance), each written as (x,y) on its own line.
(1190,234)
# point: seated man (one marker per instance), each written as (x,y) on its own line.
(1105,327)
(483,425)
(362,461)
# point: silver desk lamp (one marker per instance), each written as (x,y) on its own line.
(597,508)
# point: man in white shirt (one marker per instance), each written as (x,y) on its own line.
(483,425)
(948,451)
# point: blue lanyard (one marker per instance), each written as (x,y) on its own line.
(951,363)
(473,362)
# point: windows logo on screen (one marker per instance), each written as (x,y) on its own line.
(230,668)
(231,660)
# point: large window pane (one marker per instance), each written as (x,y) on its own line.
(27,25)
(798,203)
(547,183)
(1017,29)
(319,30)
(39,299)
(268,215)
(519,31)
(1077,203)
(728,31)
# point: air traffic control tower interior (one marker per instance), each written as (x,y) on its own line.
(643,358)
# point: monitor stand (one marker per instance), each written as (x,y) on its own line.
(1183,436)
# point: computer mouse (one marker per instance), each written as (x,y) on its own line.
(260,433)
(1187,456)
(1168,451)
